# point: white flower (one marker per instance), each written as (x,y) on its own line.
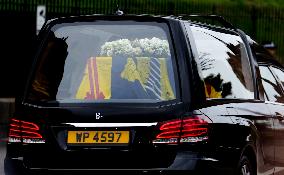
(138,47)
(153,47)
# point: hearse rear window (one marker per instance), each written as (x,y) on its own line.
(105,61)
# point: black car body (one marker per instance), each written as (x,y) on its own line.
(203,107)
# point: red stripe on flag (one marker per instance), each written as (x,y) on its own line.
(92,95)
(96,78)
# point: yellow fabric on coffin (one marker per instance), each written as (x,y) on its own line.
(141,73)
(104,65)
(103,72)
(84,87)
(130,72)
(143,68)
(166,88)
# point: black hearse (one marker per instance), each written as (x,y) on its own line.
(148,94)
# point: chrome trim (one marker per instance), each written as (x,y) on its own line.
(111,124)
(210,159)
(18,158)
(89,169)
(274,103)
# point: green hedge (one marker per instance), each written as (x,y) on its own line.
(261,19)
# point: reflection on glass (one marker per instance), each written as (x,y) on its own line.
(279,73)
(50,69)
(224,62)
(216,88)
(271,88)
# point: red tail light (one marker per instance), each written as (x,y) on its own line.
(26,132)
(191,129)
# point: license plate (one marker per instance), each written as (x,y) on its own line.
(98,137)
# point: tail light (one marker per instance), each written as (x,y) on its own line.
(190,129)
(26,132)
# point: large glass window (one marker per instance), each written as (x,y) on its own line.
(224,63)
(105,61)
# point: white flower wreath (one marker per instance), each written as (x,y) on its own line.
(139,47)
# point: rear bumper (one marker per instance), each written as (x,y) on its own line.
(185,162)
